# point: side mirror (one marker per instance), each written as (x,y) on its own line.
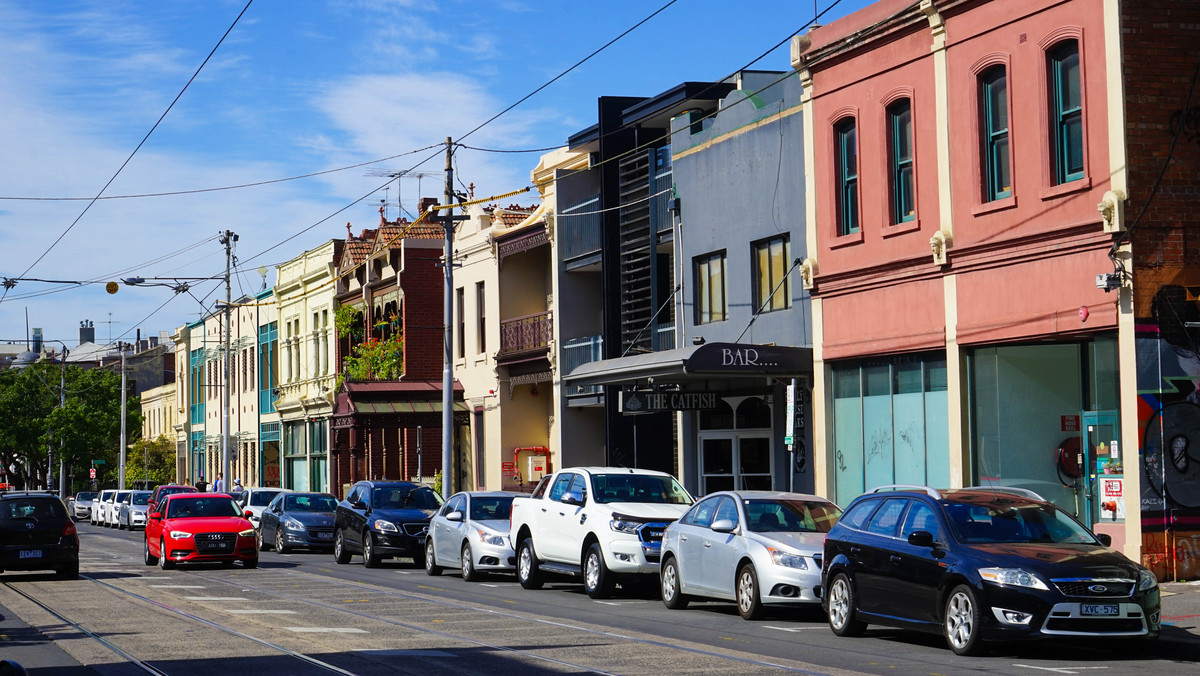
(358,504)
(572,498)
(247,514)
(155,515)
(1105,539)
(921,538)
(724,525)
(454,516)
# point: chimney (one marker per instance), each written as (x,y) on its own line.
(425,203)
(87,332)
(37,341)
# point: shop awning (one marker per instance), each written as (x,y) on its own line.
(368,407)
(698,362)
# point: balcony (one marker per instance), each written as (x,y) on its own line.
(578,233)
(525,337)
(580,351)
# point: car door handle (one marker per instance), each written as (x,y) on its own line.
(855,551)
(895,559)
(707,544)
(683,538)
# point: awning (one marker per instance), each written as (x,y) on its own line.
(368,407)
(698,362)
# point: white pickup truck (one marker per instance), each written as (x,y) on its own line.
(598,522)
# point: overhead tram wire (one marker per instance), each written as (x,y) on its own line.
(142,142)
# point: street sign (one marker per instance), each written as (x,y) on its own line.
(92,472)
(97,462)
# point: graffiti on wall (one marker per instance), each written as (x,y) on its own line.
(1168,383)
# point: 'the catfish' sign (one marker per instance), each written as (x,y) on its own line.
(634,401)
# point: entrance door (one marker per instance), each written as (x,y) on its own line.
(732,460)
(1101,455)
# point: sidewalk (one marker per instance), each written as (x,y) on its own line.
(1180,634)
(32,650)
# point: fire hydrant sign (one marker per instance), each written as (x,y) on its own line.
(1070,423)
(1112,498)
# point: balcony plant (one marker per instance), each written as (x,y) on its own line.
(374,359)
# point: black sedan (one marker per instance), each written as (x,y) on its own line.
(298,520)
(36,533)
(981,563)
(384,519)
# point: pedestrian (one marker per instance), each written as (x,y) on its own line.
(237,486)
(219,485)
(202,485)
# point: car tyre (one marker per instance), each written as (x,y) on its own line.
(749,596)
(263,545)
(250,563)
(528,573)
(164,558)
(149,558)
(371,557)
(340,553)
(597,580)
(843,608)
(431,566)
(279,546)
(672,597)
(120,526)
(467,562)
(962,623)
(68,571)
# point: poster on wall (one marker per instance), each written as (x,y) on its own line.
(1112,498)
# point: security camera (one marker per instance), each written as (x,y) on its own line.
(1107,281)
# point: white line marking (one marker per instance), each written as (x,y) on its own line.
(261,611)
(1057,670)
(177,586)
(485,584)
(216,598)
(320,630)
(768,626)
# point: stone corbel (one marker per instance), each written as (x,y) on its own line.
(808,270)
(1112,211)
(940,244)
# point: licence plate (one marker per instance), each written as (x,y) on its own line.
(30,554)
(1099,609)
(325,536)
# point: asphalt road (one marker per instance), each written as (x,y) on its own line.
(397,619)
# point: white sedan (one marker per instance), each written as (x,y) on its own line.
(756,548)
(470,532)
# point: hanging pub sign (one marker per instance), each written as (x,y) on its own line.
(649,401)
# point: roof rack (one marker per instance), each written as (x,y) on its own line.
(931,492)
(1013,490)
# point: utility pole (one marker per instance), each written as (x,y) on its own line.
(62,403)
(121,468)
(448,335)
(228,238)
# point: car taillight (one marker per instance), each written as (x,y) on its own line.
(68,528)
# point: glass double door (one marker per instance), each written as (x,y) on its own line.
(735,460)
(1103,478)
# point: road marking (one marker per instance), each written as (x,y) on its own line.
(216,598)
(619,603)
(177,586)
(768,626)
(406,653)
(485,584)
(154,577)
(1057,670)
(326,630)
(261,611)
(423,586)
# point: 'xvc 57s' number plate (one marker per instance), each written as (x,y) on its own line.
(1101,609)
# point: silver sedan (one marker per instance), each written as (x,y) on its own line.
(131,513)
(756,548)
(470,532)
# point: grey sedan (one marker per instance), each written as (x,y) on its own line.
(294,520)
(756,548)
(131,513)
(470,532)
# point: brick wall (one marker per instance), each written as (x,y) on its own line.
(423,314)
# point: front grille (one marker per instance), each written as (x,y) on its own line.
(416,530)
(215,543)
(1094,625)
(316,532)
(652,532)
(1095,588)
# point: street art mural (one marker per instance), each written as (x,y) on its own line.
(1168,383)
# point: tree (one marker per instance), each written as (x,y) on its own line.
(151,460)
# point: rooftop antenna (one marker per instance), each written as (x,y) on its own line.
(262,270)
(398,175)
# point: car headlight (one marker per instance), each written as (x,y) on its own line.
(624,526)
(292,524)
(180,535)
(248,533)
(490,538)
(787,559)
(385,526)
(1012,577)
(1146,580)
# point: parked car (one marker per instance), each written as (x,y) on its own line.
(113,509)
(298,520)
(199,528)
(163,491)
(757,548)
(80,506)
(36,533)
(255,499)
(383,519)
(470,532)
(978,564)
(132,512)
(100,504)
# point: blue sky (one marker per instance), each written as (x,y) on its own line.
(297,87)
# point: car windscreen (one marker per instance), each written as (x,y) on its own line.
(814,516)
(262,498)
(197,507)
(309,503)
(85,496)
(1006,520)
(491,507)
(141,498)
(639,488)
(393,497)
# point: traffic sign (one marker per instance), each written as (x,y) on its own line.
(92,472)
